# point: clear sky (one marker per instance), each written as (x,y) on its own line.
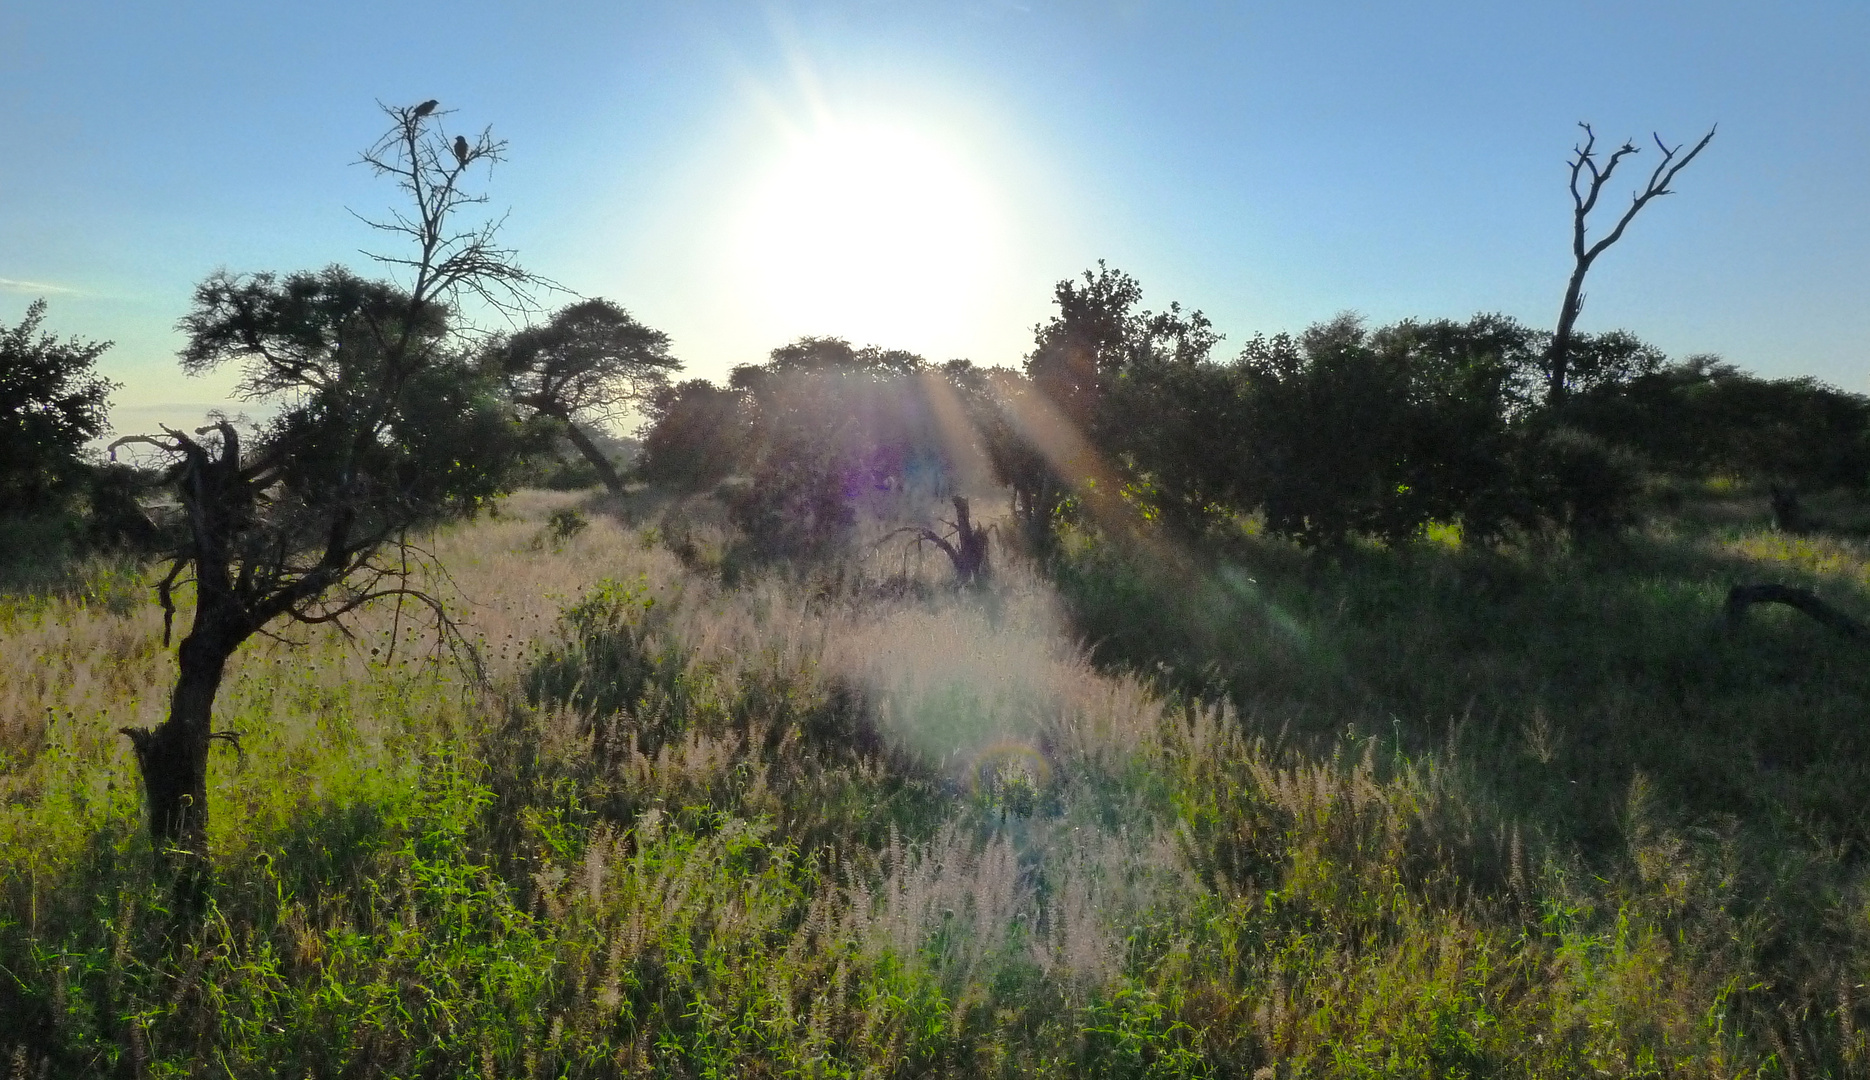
(920,174)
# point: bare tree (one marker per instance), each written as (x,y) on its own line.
(1584,198)
(967,550)
(448,259)
(386,427)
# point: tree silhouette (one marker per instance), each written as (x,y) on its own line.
(1583,164)
(1099,363)
(51,403)
(386,427)
(590,364)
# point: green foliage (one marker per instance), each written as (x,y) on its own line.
(1346,431)
(608,664)
(51,404)
(1341,432)
(58,506)
(1331,421)
(815,431)
(388,429)
(1382,433)
(797,507)
(565,524)
(867,413)
(1702,417)
(1084,348)
(1133,384)
(1577,480)
(695,437)
(709,843)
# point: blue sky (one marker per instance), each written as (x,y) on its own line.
(730,171)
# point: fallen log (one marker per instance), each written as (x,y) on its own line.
(1741,597)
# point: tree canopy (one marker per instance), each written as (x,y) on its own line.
(591,363)
(386,424)
(52,402)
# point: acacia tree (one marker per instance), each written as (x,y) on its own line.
(385,427)
(1583,202)
(590,364)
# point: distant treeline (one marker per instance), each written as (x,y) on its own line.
(1341,430)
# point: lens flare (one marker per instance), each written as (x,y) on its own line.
(1010,774)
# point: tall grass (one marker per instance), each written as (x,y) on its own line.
(1687,793)
(855,822)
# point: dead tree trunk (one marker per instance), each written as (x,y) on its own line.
(1583,162)
(970,553)
(967,551)
(173,756)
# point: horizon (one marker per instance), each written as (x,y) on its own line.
(920,176)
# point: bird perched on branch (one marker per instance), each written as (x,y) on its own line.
(426,108)
(461,149)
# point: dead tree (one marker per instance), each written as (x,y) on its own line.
(966,550)
(1583,202)
(387,427)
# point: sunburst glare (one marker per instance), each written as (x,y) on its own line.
(874,232)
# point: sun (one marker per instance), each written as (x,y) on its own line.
(871,232)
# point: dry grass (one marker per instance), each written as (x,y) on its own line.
(855,822)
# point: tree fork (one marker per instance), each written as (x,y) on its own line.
(967,552)
(1583,162)
(970,552)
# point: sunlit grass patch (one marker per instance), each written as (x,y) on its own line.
(1840,559)
(1423,812)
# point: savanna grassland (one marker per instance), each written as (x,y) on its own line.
(1417,810)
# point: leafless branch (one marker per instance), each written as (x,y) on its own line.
(1584,198)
